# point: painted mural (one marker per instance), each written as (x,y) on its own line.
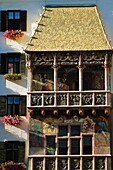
(98,126)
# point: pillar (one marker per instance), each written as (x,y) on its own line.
(55,67)
(106,72)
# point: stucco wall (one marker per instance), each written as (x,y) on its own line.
(13,87)
(33,15)
(13,133)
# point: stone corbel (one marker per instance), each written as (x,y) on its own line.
(55,112)
(107,112)
(43,113)
(68,112)
(30,113)
(94,112)
(81,112)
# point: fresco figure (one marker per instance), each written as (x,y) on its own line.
(102,128)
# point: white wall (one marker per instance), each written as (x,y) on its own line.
(14,133)
(13,87)
(33,14)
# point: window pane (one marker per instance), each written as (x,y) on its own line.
(15,145)
(16,100)
(63,149)
(15,110)
(11,59)
(17,15)
(10,15)
(50,148)
(12,151)
(17,59)
(63,130)
(10,109)
(75,146)
(9,155)
(9,145)
(15,156)
(10,100)
(10,68)
(87,144)
(16,68)
(75,130)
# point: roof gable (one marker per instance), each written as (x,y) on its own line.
(69,29)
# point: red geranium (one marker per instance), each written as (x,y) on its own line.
(13,34)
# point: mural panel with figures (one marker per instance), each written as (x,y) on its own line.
(97,126)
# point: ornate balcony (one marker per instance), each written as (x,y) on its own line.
(68,162)
(69,99)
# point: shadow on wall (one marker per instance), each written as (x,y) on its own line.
(13,87)
(10,132)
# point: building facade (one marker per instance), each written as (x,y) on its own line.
(56,74)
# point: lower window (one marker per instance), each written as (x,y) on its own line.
(12,151)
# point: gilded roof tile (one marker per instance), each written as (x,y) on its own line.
(69,29)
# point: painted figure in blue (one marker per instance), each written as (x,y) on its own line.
(102,128)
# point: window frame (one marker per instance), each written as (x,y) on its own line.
(11,150)
(4,61)
(15,65)
(5,20)
(13,107)
(69,138)
(70,161)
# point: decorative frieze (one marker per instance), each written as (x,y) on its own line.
(68,58)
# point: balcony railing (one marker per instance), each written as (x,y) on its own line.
(70,162)
(69,99)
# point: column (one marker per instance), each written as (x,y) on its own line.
(29,75)
(106,72)
(55,67)
(81,67)
(29,81)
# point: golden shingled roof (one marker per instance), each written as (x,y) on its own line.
(69,29)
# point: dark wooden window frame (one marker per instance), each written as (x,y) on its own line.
(5,60)
(22,22)
(13,107)
(12,150)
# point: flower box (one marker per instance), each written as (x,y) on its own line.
(13,76)
(10,165)
(13,34)
(12,120)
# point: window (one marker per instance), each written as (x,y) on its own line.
(13,103)
(14,19)
(87,144)
(70,149)
(50,145)
(12,151)
(12,63)
(68,141)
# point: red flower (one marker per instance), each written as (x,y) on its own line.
(12,120)
(13,34)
